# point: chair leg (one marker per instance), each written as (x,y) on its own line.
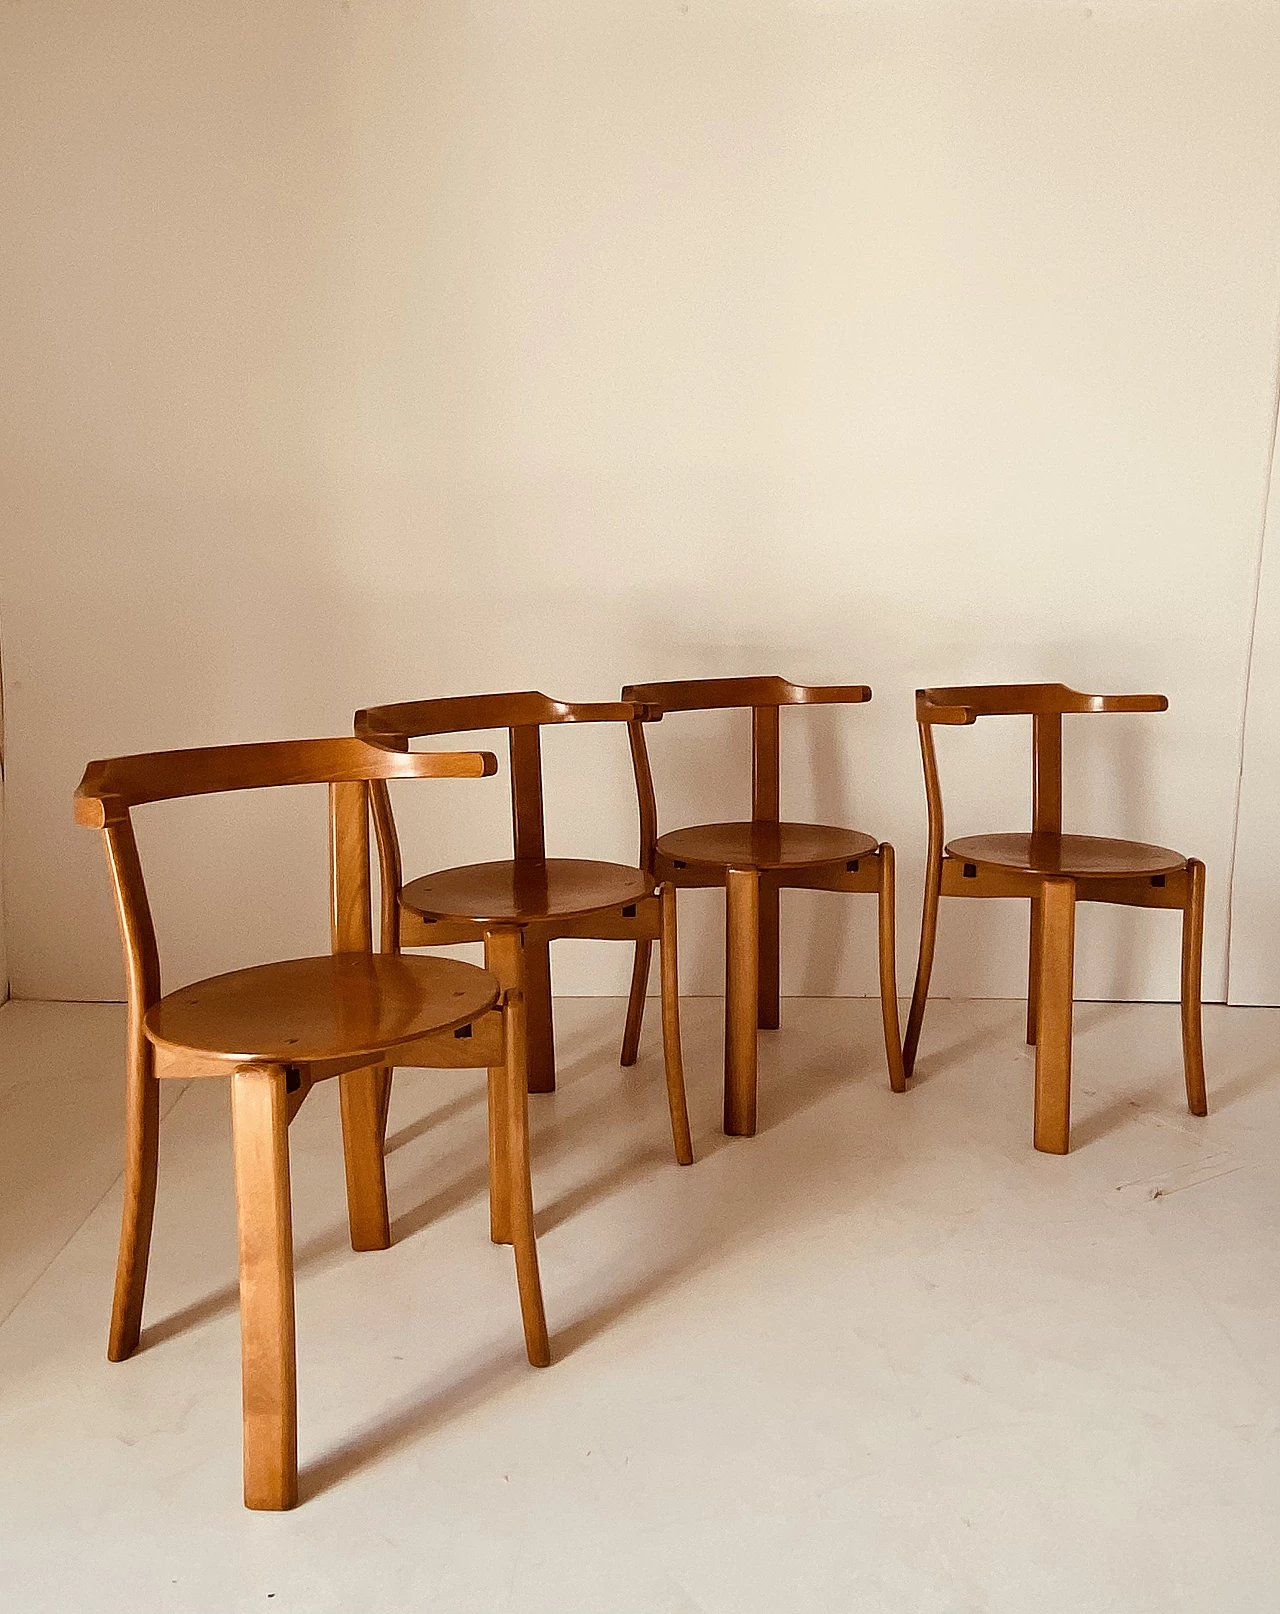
(635,1003)
(768,991)
(889,971)
(541,1040)
(672,1057)
(259,1115)
(520,1185)
(142,1147)
(924,966)
(362,1096)
(741,1000)
(1033,972)
(503,957)
(1053,1045)
(1192,946)
(499,1158)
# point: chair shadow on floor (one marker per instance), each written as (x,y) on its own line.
(471,1183)
(480,1381)
(1246,1084)
(934,1061)
(434,1118)
(505,1371)
(587,1316)
(786,1095)
(325,1250)
(1115,1115)
(478,1385)
(1123,1109)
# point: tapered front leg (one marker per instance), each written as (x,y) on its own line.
(259,1114)
(142,1143)
(362,1096)
(1192,948)
(1053,1044)
(672,1056)
(741,1000)
(889,971)
(635,1003)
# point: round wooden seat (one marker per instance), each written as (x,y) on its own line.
(526,890)
(1078,856)
(764,846)
(309,1009)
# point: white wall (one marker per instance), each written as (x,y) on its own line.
(365,351)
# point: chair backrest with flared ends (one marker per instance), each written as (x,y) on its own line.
(523,714)
(763,696)
(350,768)
(1045,705)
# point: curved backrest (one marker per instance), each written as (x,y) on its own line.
(1045,704)
(522,714)
(717,694)
(394,726)
(108,789)
(967,704)
(350,767)
(763,696)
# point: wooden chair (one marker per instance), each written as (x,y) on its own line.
(1055,871)
(754,861)
(544,898)
(275,1030)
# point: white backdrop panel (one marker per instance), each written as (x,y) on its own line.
(1255,904)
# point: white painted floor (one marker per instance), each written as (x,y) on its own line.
(881,1357)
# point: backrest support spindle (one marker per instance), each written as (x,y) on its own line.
(350,919)
(766,799)
(644,789)
(528,831)
(1046,773)
(389,866)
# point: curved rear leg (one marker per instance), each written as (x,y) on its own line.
(635,1003)
(924,965)
(1192,946)
(889,972)
(141,1154)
